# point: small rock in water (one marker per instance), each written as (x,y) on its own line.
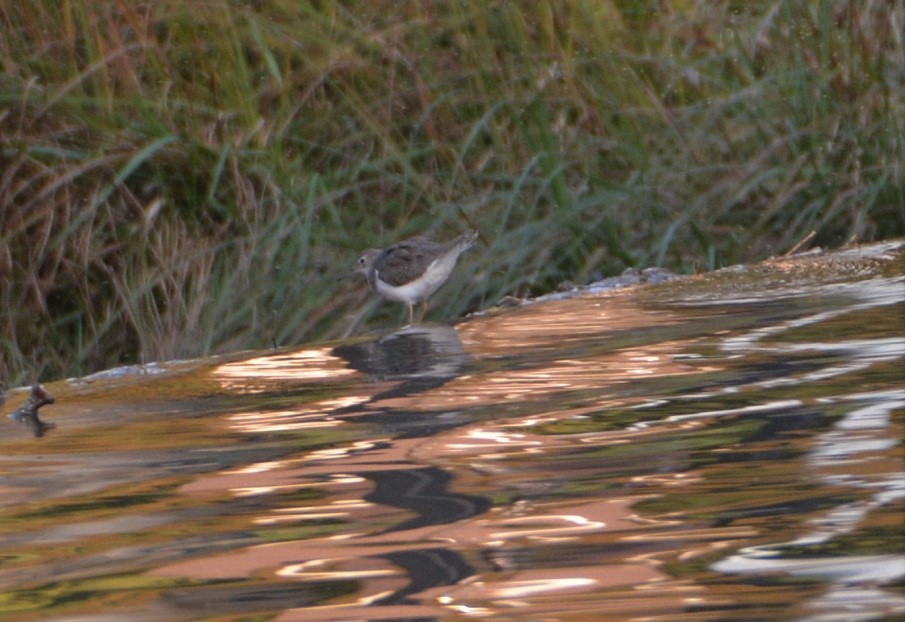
(27,413)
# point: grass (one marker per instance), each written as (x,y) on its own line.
(178,179)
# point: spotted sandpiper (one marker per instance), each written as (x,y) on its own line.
(27,413)
(412,270)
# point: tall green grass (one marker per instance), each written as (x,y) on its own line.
(178,179)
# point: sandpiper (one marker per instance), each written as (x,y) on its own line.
(412,270)
(27,413)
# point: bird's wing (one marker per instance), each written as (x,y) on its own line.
(406,261)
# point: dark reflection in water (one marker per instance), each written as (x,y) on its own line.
(424,491)
(426,569)
(724,447)
(426,351)
(421,357)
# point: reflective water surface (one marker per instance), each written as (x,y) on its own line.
(722,447)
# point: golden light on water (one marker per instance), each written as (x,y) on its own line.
(653,461)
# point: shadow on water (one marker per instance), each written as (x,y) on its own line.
(724,446)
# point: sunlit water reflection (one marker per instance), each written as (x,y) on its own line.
(727,446)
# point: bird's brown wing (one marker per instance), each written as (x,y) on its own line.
(406,261)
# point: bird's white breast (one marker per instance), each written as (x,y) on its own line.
(422,287)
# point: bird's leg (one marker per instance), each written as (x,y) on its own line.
(411,313)
(422,306)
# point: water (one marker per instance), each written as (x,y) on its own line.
(722,447)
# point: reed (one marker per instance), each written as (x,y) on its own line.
(178,179)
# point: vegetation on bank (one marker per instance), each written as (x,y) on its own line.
(181,178)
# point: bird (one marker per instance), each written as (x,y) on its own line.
(27,413)
(412,270)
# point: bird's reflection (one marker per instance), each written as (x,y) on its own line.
(421,356)
(414,351)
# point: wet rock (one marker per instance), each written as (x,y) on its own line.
(629,276)
(568,289)
(657,275)
(510,301)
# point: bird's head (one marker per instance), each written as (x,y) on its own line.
(365,261)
